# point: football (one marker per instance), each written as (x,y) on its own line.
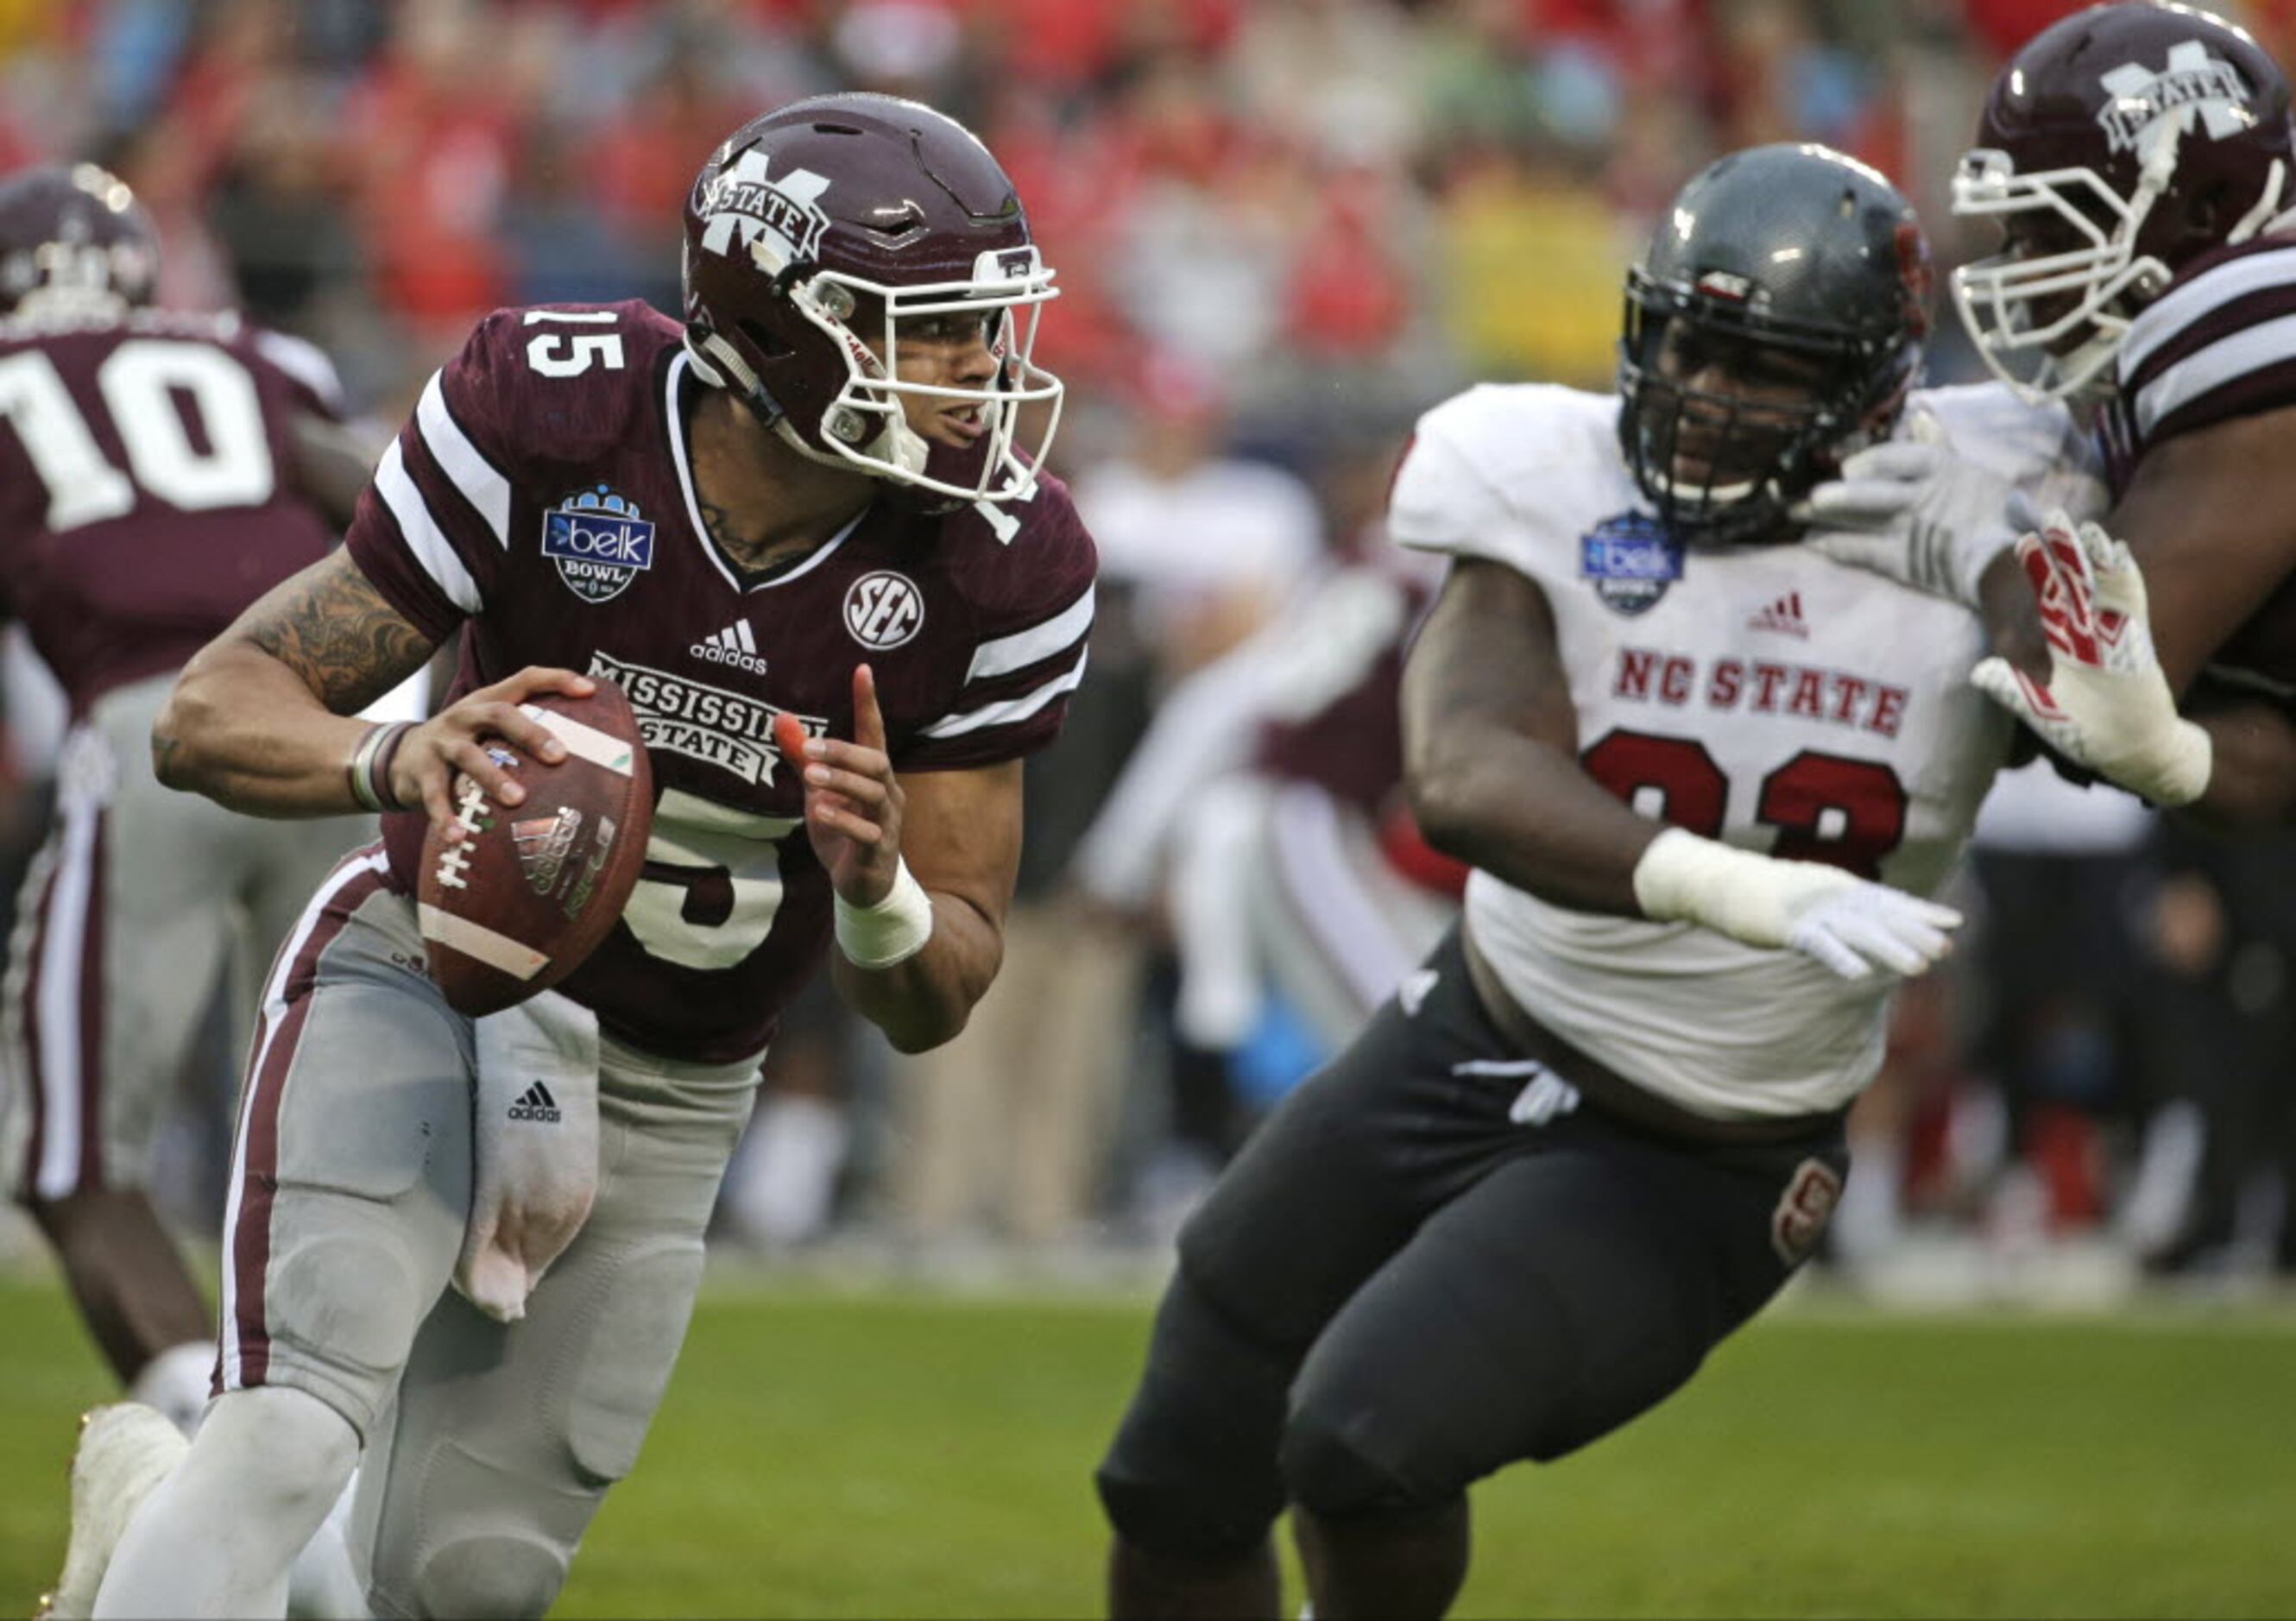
(530,889)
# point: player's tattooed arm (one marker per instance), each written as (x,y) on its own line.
(261,717)
(335,630)
(256,720)
(1492,748)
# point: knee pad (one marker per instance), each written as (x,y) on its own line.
(1334,1475)
(291,1451)
(507,1573)
(1193,1468)
(1183,1521)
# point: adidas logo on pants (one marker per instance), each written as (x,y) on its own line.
(536,1103)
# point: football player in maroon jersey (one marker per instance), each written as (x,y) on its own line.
(158,471)
(2140,161)
(798,523)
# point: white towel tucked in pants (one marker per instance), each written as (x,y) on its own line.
(534,1146)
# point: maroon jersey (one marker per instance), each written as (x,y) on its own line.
(145,496)
(541,499)
(2220,343)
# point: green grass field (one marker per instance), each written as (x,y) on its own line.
(823,1455)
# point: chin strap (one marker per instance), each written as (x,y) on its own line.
(896,447)
(2266,215)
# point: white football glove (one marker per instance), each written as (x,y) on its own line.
(1844,923)
(1909,509)
(2107,704)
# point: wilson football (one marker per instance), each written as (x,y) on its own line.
(515,905)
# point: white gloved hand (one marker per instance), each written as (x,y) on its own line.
(1842,922)
(2106,704)
(1909,509)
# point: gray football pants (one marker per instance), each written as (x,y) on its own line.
(130,915)
(488,1446)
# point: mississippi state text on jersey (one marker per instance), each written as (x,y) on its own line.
(1760,694)
(144,474)
(541,492)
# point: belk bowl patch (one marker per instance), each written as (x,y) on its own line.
(598,542)
(1631,559)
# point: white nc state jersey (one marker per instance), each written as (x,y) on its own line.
(1766,696)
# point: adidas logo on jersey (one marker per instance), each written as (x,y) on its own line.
(536,1103)
(733,645)
(1782,616)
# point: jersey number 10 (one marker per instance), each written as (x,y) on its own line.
(141,383)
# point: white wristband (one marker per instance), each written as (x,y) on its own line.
(1683,878)
(893,930)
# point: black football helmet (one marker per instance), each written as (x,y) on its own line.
(74,241)
(1789,256)
(2118,144)
(848,214)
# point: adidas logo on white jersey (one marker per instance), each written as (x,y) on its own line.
(1782,616)
(536,1103)
(733,645)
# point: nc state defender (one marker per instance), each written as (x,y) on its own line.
(1704,776)
(159,471)
(796,529)
(2138,157)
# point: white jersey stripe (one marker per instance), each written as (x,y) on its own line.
(424,538)
(2234,356)
(1004,654)
(2161,321)
(487,490)
(1011,710)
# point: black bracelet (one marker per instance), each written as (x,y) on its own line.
(369,767)
(385,752)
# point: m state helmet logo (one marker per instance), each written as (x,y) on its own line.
(2195,83)
(778,221)
(883,610)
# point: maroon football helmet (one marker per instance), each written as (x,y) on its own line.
(848,215)
(2130,138)
(74,241)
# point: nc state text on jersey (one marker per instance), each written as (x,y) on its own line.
(1761,686)
(701,722)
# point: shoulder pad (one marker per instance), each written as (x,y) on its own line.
(557,384)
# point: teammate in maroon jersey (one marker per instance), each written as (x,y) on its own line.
(158,472)
(797,521)
(2141,161)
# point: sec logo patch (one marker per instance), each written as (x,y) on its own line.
(883,610)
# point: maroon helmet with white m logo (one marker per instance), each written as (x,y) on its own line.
(2118,144)
(814,235)
(74,241)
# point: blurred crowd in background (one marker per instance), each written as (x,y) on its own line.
(1281,228)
